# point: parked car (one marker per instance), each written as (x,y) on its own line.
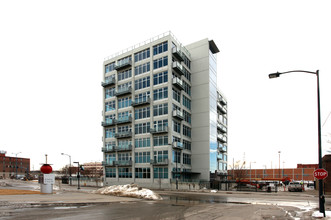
(295,187)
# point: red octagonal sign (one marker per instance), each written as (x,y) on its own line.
(320,174)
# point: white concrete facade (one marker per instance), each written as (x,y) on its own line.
(162,100)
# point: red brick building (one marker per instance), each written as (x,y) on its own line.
(326,164)
(10,165)
(302,172)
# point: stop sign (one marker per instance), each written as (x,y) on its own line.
(320,174)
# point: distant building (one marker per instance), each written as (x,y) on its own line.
(92,169)
(9,166)
(303,172)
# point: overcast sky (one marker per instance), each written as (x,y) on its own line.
(51,56)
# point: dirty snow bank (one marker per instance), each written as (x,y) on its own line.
(129,190)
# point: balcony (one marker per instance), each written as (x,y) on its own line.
(108,149)
(123,91)
(108,163)
(222,138)
(178,68)
(220,157)
(178,145)
(221,128)
(124,119)
(159,129)
(108,82)
(123,64)
(221,108)
(108,122)
(160,162)
(178,114)
(178,83)
(141,101)
(124,148)
(123,134)
(222,100)
(123,163)
(176,52)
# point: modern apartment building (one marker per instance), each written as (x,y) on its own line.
(164,120)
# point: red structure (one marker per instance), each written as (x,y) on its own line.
(8,166)
(46,169)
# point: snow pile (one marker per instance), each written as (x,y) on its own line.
(129,190)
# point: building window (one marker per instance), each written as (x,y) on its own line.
(161,109)
(186,159)
(141,55)
(124,102)
(187,145)
(109,78)
(160,173)
(160,156)
(176,95)
(109,67)
(110,144)
(143,173)
(110,158)
(187,102)
(142,97)
(124,86)
(142,157)
(142,113)
(124,143)
(176,126)
(124,157)
(125,128)
(160,140)
(110,172)
(110,132)
(123,61)
(160,48)
(187,88)
(124,75)
(109,92)
(143,68)
(110,106)
(159,78)
(161,123)
(187,61)
(187,116)
(124,172)
(161,93)
(142,83)
(187,75)
(158,63)
(186,131)
(142,128)
(142,142)
(176,156)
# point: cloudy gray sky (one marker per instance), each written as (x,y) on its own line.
(51,55)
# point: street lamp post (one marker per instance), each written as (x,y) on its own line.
(16,162)
(69,167)
(250,171)
(78,176)
(279,164)
(320,182)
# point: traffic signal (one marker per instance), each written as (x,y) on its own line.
(81,167)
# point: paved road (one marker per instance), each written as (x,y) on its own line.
(67,203)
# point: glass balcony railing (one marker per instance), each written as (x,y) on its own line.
(127,147)
(221,127)
(124,119)
(178,68)
(123,134)
(108,163)
(178,145)
(123,163)
(160,161)
(108,149)
(141,101)
(159,129)
(221,108)
(123,64)
(178,82)
(123,91)
(108,122)
(108,82)
(222,138)
(178,54)
(178,114)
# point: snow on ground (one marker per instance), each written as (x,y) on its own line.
(317,214)
(129,190)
